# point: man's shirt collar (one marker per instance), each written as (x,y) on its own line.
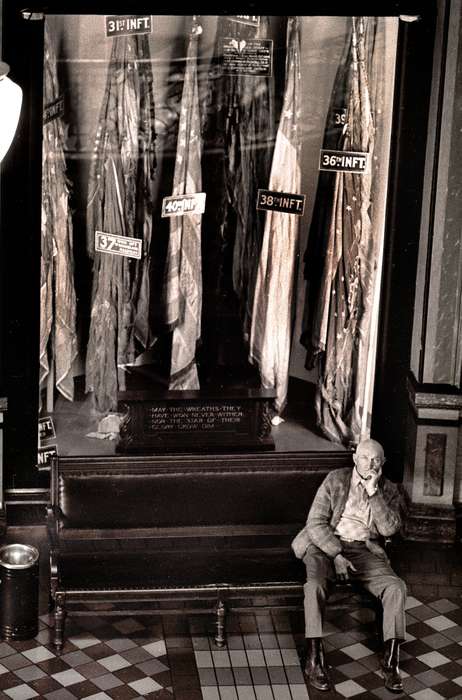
(356,479)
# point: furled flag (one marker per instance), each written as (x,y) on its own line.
(58,337)
(272,306)
(340,328)
(238,134)
(120,202)
(315,253)
(183,277)
(249,141)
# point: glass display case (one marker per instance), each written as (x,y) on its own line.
(213,215)
(206,209)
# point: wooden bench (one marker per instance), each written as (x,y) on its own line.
(178,534)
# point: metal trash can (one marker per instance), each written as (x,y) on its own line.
(19,589)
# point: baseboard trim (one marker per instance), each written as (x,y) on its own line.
(26,506)
(430,523)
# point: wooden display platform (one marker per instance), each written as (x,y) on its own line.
(157,420)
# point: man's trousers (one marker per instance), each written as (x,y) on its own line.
(374,573)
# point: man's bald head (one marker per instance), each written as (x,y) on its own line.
(369,457)
(370,446)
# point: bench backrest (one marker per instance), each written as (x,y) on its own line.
(144,493)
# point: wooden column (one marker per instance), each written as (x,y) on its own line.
(434,388)
(430,463)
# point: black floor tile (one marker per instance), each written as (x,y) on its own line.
(448,689)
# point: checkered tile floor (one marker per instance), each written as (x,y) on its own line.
(431,657)
(121,658)
(124,658)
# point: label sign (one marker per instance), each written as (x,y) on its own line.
(181,204)
(343,161)
(45,455)
(46,429)
(281,201)
(250,20)
(128,24)
(247,57)
(118,245)
(54,110)
(339,116)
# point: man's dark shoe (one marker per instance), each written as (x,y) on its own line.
(315,668)
(390,666)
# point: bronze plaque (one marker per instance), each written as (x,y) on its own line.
(184,421)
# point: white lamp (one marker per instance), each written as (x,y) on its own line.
(10,108)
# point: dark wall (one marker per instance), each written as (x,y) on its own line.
(414,69)
(21,173)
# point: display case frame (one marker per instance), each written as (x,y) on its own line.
(21,208)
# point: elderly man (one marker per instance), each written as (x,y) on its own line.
(352,509)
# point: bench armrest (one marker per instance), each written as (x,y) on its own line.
(52,520)
(53,538)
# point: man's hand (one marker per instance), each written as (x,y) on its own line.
(299,547)
(371,483)
(342,564)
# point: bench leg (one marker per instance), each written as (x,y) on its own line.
(220,637)
(60,617)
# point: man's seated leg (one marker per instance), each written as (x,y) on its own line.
(377,576)
(393,596)
(320,574)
